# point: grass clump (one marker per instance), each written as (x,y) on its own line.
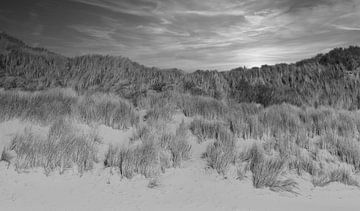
(42,106)
(47,106)
(345,149)
(158,105)
(204,129)
(244,122)
(62,149)
(221,153)
(206,107)
(142,159)
(267,171)
(324,120)
(153,183)
(342,175)
(177,145)
(150,154)
(280,119)
(7,155)
(107,109)
(302,161)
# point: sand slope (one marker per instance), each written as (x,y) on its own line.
(191,187)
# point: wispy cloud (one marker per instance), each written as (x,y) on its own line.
(191,34)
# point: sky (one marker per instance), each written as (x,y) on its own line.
(186,34)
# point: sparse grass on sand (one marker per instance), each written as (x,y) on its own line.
(221,153)
(288,138)
(64,147)
(150,154)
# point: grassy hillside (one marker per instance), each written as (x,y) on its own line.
(329,79)
(268,122)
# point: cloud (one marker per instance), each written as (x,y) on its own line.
(134,7)
(188,34)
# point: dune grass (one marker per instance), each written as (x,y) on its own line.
(158,105)
(43,106)
(291,137)
(221,153)
(63,148)
(142,159)
(106,109)
(204,129)
(150,153)
(347,150)
(340,174)
(206,107)
(267,171)
(47,106)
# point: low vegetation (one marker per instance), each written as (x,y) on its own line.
(63,148)
(47,106)
(204,129)
(221,153)
(302,117)
(150,154)
(106,109)
(289,139)
(341,175)
(267,171)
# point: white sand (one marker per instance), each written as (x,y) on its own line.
(191,187)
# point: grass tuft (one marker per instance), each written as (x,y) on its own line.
(267,171)
(151,155)
(60,150)
(204,129)
(221,153)
(341,175)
